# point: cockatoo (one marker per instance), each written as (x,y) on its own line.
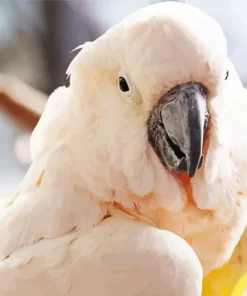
(138,184)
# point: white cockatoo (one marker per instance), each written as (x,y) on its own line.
(138,184)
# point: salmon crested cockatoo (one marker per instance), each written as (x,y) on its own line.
(139,176)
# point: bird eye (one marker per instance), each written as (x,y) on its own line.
(123,84)
(227,74)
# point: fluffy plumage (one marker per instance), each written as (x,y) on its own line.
(91,156)
(119,257)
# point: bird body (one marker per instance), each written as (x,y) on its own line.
(149,139)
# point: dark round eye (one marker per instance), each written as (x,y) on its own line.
(123,84)
(227,74)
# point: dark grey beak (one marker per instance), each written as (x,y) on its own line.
(177,126)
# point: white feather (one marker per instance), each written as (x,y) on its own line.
(119,257)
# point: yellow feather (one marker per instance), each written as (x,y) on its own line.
(221,282)
(231,279)
(241,287)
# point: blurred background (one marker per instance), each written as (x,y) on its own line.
(36,39)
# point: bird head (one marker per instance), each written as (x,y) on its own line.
(140,115)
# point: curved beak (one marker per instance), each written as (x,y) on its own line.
(177,125)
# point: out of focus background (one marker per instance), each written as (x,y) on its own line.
(36,40)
